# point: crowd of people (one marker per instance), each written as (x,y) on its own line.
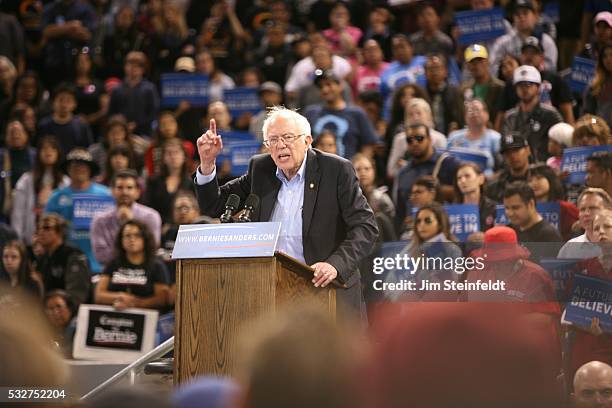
(394,89)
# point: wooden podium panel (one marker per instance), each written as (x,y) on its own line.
(215,297)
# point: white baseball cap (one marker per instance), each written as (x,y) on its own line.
(527,73)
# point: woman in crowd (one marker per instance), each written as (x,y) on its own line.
(418,111)
(15,160)
(431,239)
(597,96)
(29,91)
(17,269)
(167,128)
(402,95)
(120,157)
(326,142)
(92,100)
(377,197)
(591,130)
(341,36)
(117,133)
(170,40)
(27,116)
(61,312)
(34,187)
(469,189)
(548,188)
(174,176)
(135,278)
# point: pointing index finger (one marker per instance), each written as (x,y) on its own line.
(213,127)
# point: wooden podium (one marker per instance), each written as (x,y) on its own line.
(216,296)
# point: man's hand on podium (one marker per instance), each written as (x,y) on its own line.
(324,273)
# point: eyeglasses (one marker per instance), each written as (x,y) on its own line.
(288,138)
(418,138)
(426,220)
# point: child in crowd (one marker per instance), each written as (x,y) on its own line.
(559,137)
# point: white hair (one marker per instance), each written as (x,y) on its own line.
(281,112)
(423,104)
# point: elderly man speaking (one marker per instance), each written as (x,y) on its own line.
(325,219)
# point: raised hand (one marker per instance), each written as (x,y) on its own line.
(209,147)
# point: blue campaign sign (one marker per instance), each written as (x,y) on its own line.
(238,148)
(85,206)
(464,219)
(240,240)
(480,26)
(582,73)
(590,297)
(240,155)
(552,9)
(470,155)
(575,160)
(550,211)
(242,100)
(560,271)
(177,87)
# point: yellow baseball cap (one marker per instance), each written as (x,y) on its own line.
(475,51)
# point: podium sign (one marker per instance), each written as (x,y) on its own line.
(240,240)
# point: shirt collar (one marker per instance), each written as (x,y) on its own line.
(300,174)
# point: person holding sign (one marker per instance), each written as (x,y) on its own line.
(596,98)
(135,278)
(592,343)
(547,188)
(469,189)
(326,220)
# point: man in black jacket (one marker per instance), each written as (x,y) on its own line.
(62,266)
(325,219)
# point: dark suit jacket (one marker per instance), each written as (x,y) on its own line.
(338,225)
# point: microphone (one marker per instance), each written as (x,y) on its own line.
(250,205)
(232,203)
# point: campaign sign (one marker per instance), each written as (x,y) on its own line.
(242,100)
(464,219)
(582,73)
(177,87)
(560,271)
(85,206)
(469,155)
(231,139)
(552,10)
(480,26)
(550,212)
(165,328)
(590,297)
(575,161)
(104,333)
(240,155)
(240,240)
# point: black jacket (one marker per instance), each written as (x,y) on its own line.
(338,225)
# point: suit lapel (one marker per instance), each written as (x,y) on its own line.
(268,199)
(311,188)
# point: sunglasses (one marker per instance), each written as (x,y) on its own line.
(426,220)
(411,139)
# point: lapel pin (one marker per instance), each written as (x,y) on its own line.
(311,185)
